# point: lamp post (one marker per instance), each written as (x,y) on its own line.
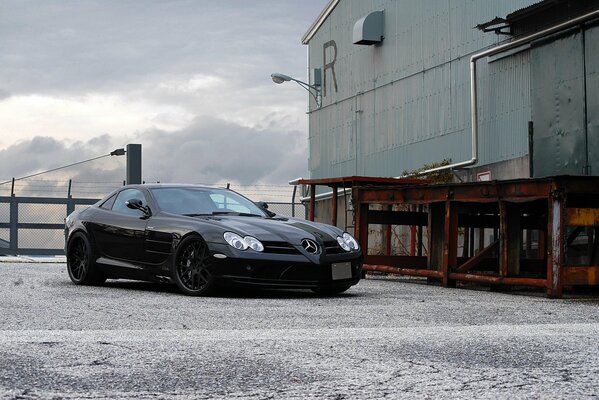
(116,152)
(314,90)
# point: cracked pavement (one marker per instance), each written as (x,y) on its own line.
(384,338)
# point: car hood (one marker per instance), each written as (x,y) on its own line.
(274,229)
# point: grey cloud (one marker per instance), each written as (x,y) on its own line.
(45,153)
(53,46)
(209,151)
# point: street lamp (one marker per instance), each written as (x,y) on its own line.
(116,152)
(279,78)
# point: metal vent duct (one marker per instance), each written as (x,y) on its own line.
(368,30)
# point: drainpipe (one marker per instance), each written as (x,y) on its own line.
(492,51)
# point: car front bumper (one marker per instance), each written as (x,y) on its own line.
(295,271)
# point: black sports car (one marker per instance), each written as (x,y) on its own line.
(200,237)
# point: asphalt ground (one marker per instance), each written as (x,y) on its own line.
(384,338)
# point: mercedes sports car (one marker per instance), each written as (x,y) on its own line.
(203,237)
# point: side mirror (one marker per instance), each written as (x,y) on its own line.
(264,207)
(137,204)
(262,204)
(134,204)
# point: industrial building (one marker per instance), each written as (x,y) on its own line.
(501,95)
(502,89)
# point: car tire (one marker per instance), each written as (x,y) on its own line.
(330,291)
(81,263)
(192,268)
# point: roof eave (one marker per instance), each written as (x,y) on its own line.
(319,21)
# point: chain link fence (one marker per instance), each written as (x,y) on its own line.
(32,212)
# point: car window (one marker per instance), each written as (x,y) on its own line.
(109,202)
(128,194)
(184,200)
(225,202)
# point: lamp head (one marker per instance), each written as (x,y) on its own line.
(118,152)
(279,78)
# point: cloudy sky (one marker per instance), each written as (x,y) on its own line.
(189,80)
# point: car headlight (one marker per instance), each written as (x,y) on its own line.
(244,243)
(347,242)
(351,242)
(253,243)
(342,243)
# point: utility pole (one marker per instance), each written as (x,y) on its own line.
(133,164)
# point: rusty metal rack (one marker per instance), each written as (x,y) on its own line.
(541,232)
(346,183)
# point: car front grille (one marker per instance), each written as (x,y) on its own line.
(332,247)
(279,248)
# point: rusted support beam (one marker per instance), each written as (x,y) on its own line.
(388,232)
(312,201)
(334,199)
(580,275)
(362,222)
(412,240)
(582,216)
(436,212)
(420,235)
(450,243)
(475,261)
(427,273)
(555,254)
(499,280)
(542,246)
(510,242)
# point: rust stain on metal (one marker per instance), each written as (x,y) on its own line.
(582,216)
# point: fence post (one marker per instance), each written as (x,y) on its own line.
(70,202)
(14,224)
(293,201)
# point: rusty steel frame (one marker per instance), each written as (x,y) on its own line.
(510,209)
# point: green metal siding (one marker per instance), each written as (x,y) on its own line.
(558,107)
(592,93)
(504,107)
(565,87)
(405,103)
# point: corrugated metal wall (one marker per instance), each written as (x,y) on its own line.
(405,103)
(565,103)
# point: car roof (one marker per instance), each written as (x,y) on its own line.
(170,185)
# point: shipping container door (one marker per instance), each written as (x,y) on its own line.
(557,85)
(592,85)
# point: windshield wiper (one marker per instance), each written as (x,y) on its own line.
(241,214)
(197,215)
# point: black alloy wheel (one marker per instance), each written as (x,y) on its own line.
(193,267)
(80,263)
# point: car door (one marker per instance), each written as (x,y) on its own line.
(121,234)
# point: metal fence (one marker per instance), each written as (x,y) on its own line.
(35,225)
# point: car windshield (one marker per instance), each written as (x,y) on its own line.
(204,201)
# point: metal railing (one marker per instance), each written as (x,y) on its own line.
(48,235)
